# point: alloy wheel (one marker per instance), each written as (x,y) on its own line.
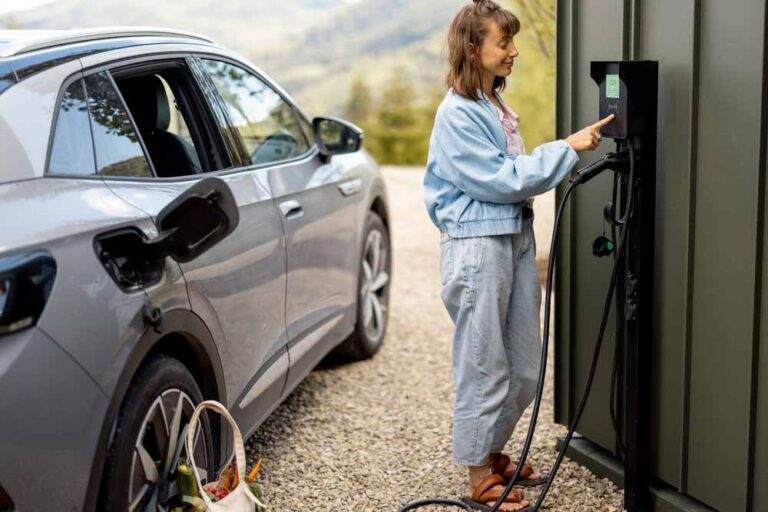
(152,485)
(374,284)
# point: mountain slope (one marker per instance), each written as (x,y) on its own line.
(314,48)
(370,39)
(239,24)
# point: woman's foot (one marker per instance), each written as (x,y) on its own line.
(483,490)
(503,465)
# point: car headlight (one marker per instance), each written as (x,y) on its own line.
(26,281)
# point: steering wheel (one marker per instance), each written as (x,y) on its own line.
(277,146)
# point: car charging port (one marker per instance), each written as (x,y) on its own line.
(124,255)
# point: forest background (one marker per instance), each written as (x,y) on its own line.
(378,63)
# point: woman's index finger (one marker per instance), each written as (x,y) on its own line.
(603,122)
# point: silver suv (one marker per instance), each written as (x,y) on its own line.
(172,229)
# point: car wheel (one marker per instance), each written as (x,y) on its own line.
(373,292)
(140,472)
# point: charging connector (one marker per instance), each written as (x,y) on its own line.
(618,162)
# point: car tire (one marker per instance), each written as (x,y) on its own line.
(374,280)
(153,397)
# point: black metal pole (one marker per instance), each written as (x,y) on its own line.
(638,324)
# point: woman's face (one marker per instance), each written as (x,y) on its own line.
(497,53)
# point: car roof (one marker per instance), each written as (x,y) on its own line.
(18,42)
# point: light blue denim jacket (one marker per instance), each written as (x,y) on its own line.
(472,187)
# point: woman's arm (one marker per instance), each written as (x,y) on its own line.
(483,172)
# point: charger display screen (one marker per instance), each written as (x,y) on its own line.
(612,86)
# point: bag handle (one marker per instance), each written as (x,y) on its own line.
(190,442)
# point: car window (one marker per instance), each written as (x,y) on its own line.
(118,151)
(266,123)
(165,121)
(72,148)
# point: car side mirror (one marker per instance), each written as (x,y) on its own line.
(195,221)
(336,136)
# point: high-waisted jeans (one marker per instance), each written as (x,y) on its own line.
(491,288)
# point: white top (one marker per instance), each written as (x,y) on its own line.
(510,122)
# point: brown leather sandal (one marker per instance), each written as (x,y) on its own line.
(484,493)
(499,467)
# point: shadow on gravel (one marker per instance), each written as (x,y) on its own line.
(332,361)
(296,408)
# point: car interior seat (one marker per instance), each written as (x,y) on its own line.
(171,155)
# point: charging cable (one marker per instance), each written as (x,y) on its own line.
(598,343)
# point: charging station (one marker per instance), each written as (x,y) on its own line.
(629,90)
(709,379)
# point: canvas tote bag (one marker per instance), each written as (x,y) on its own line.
(240,499)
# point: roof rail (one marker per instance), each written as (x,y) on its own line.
(40,40)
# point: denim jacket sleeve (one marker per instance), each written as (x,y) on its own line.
(484,172)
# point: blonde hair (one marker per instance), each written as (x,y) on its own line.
(470,26)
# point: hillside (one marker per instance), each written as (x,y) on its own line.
(370,40)
(312,47)
(235,23)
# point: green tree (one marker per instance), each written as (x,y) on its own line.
(396,129)
(531,86)
(398,125)
(360,102)
(540,19)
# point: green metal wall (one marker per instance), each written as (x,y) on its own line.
(710,396)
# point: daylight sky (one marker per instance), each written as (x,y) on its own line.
(17,5)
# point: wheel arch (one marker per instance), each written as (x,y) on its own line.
(379,206)
(185,337)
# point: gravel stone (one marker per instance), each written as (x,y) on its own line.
(375,434)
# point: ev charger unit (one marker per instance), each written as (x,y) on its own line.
(629,89)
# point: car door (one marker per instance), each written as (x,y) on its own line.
(237,287)
(316,202)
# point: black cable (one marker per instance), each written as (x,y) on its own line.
(599,342)
(544,349)
(435,501)
(613,405)
(542,375)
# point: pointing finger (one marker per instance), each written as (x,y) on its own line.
(603,122)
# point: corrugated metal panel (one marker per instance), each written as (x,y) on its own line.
(727,194)
(590,274)
(710,417)
(758,490)
(563,288)
(662,22)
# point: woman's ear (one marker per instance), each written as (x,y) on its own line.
(472,52)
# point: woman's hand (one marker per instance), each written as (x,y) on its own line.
(588,138)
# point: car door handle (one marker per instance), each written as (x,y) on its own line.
(291,209)
(351,187)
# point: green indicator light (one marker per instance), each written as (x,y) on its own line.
(610,246)
(612,86)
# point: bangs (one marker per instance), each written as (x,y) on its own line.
(507,22)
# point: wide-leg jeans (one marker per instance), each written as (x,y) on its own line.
(491,289)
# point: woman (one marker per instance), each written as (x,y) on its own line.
(477,190)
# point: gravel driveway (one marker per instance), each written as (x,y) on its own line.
(373,435)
